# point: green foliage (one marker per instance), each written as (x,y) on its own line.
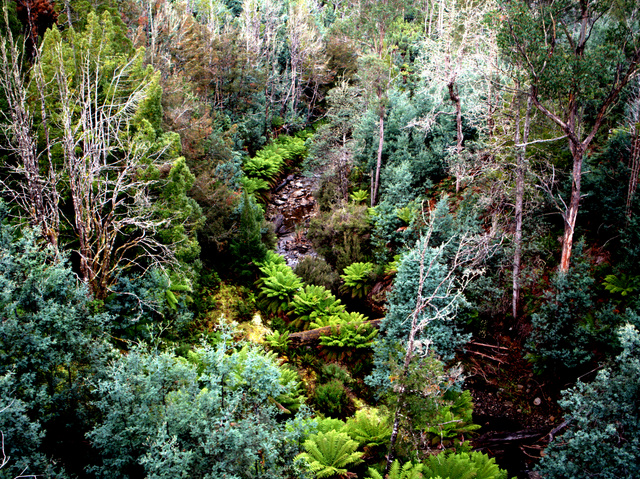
(340,236)
(360,196)
(330,454)
(408,471)
(623,285)
(212,415)
(439,329)
(561,337)
(603,437)
(427,396)
(332,399)
(294,397)
(50,341)
(278,342)
(183,211)
(454,421)
(369,427)
(350,335)
(322,321)
(462,465)
(278,286)
(357,279)
(313,303)
(268,163)
(331,371)
(247,246)
(316,271)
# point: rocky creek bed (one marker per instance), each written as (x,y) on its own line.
(290,209)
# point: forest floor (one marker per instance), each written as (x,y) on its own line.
(516,408)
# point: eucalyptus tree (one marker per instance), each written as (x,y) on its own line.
(578,56)
(374,22)
(457,68)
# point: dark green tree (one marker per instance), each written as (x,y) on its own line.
(603,436)
(50,342)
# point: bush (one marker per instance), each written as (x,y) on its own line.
(561,336)
(316,271)
(331,399)
(341,236)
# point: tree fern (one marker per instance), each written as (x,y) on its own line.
(486,467)
(408,471)
(357,279)
(623,285)
(314,302)
(278,287)
(369,428)
(330,454)
(458,466)
(475,465)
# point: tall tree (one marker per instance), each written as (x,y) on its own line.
(578,56)
(374,22)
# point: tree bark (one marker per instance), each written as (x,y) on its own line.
(571,213)
(520,170)
(376,183)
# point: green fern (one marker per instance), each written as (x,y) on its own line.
(252,185)
(266,168)
(314,302)
(369,428)
(294,397)
(454,422)
(458,466)
(350,335)
(408,471)
(321,321)
(486,467)
(330,424)
(278,342)
(406,214)
(278,287)
(357,279)
(463,465)
(330,454)
(623,285)
(359,196)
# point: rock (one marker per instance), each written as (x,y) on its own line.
(278,202)
(537,402)
(508,404)
(298,193)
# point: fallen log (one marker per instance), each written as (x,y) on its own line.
(307,338)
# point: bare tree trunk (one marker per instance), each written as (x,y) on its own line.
(571,213)
(376,183)
(520,170)
(455,98)
(634,166)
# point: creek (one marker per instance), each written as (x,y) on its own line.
(290,209)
